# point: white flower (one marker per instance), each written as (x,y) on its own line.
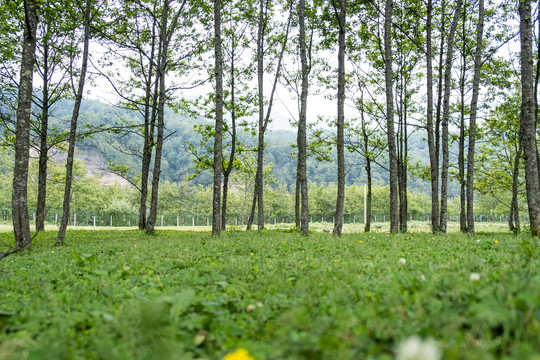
(415,348)
(475,276)
(402,261)
(422,277)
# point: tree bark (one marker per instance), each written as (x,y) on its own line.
(73,130)
(461,153)
(446,117)
(21,221)
(302,142)
(394,219)
(513,222)
(216,219)
(472,119)
(340,146)
(43,147)
(527,118)
(433,160)
(150,104)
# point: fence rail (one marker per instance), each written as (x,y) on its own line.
(110,219)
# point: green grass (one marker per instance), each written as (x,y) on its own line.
(188,295)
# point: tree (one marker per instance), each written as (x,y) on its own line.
(55,45)
(73,127)
(527,128)
(392,155)
(21,222)
(166,33)
(446,116)
(472,119)
(302,142)
(340,145)
(216,202)
(264,117)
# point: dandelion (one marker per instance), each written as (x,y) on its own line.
(496,241)
(336,260)
(361,241)
(475,276)
(402,261)
(240,354)
(415,348)
(252,254)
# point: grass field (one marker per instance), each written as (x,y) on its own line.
(187,295)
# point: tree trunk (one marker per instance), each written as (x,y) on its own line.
(21,222)
(367,225)
(297,200)
(43,147)
(73,130)
(259,181)
(513,222)
(263,120)
(527,127)
(472,119)
(461,153)
(302,142)
(394,219)
(163,53)
(338,222)
(446,117)
(216,218)
(150,103)
(433,160)
(367,154)
(232,155)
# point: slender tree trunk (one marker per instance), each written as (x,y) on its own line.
(438,115)
(149,127)
(367,225)
(472,120)
(297,200)
(302,143)
(21,222)
(433,160)
(461,153)
(263,120)
(394,219)
(232,155)
(73,130)
(259,181)
(43,147)
(513,222)
(527,118)
(165,35)
(403,201)
(216,223)
(367,157)
(446,117)
(338,222)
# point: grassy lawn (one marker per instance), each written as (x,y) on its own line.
(186,295)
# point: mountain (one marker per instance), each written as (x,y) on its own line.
(177,164)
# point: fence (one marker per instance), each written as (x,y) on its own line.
(115,219)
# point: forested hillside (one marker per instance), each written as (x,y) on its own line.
(124,148)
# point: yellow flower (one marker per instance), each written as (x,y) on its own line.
(240,354)
(361,241)
(252,254)
(496,241)
(336,260)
